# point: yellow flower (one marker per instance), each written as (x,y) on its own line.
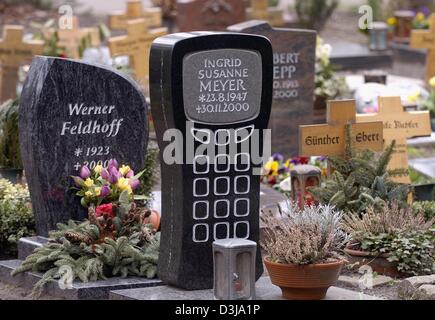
(432,82)
(98,168)
(420,16)
(89,182)
(414,97)
(392,21)
(123,184)
(272,167)
(129,189)
(88,194)
(98,191)
(124,170)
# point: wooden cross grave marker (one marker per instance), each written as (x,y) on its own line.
(136,45)
(329,139)
(426,39)
(135,10)
(69,39)
(260,10)
(399,125)
(13,52)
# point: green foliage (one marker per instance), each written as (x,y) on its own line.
(10,156)
(51,44)
(98,248)
(313,14)
(16,216)
(149,176)
(413,251)
(359,180)
(427,208)
(39,4)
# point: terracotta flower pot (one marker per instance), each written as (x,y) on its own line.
(378,262)
(304,282)
(153,219)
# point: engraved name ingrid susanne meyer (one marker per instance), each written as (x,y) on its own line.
(222,75)
(109,129)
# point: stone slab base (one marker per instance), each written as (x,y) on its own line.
(265,290)
(80,291)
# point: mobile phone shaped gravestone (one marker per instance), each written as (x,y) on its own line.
(212,87)
(74,114)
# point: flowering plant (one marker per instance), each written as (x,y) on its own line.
(105,185)
(420,20)
(328,84)
(429,103)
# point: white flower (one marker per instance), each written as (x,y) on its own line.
(285,184)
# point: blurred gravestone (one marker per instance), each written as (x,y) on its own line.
(293,81)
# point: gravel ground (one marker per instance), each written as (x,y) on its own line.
(8,292)
(387,291)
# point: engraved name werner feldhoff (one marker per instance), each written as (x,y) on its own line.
(92,126)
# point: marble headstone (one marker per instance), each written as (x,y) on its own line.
(216,15)
(293,81)
(215,89)
(74,114)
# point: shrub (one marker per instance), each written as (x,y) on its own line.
(427,208)
(413,251)
(16,216)
(406,237)
(303,236)
(10,156)
(313,14)
(360,180)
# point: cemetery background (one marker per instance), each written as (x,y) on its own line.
(341,35)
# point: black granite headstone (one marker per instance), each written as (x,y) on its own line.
(74,114)
(216,90)
(294,53)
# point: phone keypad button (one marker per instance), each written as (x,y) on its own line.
(200,210)
(222,186)
(221,208)
(201,164)
(241,184)
(242,162)
(201,187)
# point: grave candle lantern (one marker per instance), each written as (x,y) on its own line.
(379,36)
(234,269)
(302,177)
(404,25)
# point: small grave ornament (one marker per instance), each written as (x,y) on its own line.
(403,28)
(379,36)
(303,177)
(234,269)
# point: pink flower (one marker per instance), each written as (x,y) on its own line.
(105,191)
(114,175)
(130,174)
(85,172)
(105,174)
(113,163)
(134,183)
